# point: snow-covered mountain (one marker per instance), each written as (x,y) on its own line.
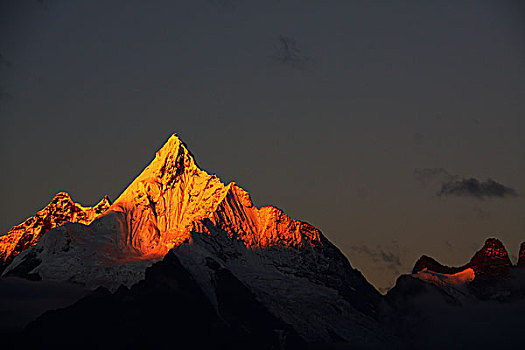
(492,260)
(488,275)
(212,228)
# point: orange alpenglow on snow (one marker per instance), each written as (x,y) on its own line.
(458,278)
(60,210)
(173,197)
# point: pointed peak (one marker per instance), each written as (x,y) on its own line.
(174,145)
(173,142)
(492,259)
(423,263)
(492,249)
(493,243)
(104,201)
(61,198)
(243,196)
(171,160)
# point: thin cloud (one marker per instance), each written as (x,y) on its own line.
(472,187)
(390,257)
(364,250)
(455,185)
(289,54)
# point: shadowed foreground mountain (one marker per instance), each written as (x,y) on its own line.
(167,307)
(182,259)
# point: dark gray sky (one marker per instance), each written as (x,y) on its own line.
(352,116)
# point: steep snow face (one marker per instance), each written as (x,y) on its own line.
(169,198)
(60,210)
(162,203)
(312,288)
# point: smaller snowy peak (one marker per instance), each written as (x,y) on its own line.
(492,260)
(264,227)
(60,210)
(102,206)
(489,275)
(521,258)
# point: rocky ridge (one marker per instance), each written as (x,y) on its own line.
(492,260)
(489,275)
(60,210)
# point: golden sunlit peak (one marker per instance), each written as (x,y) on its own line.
(174,148)
(173,144)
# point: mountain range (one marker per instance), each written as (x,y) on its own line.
(182,258)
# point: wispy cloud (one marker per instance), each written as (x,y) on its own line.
(391,258)
(455,185)
(472,187)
